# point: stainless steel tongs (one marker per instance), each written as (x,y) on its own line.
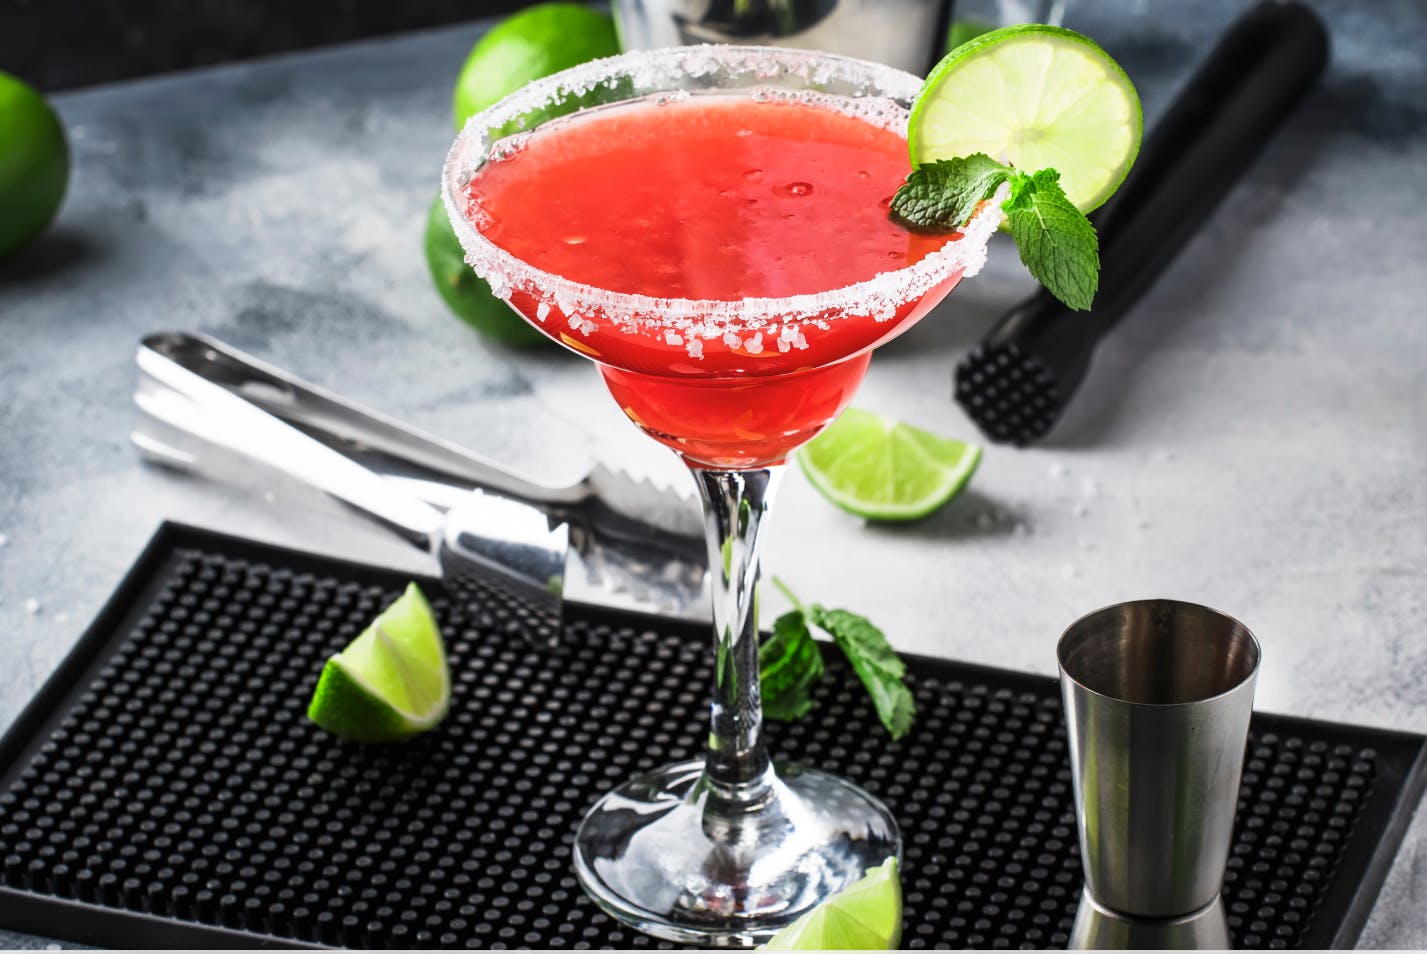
(210,408)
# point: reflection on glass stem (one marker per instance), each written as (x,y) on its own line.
(735,504)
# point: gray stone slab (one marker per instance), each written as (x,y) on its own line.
(1252,438)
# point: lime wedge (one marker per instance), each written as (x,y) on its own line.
(391,682)
(1037,97)
(883,469)
(866,916)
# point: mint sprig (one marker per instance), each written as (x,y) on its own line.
(1056,241)
(791,664)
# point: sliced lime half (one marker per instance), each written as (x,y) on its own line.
(391,682)
(865,916)
(1037,97)
(882,469)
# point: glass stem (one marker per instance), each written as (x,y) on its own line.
(735,505)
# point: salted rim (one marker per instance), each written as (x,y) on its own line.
(880,295)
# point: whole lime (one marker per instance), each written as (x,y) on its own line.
(537,41)
(463,291)
(34,163)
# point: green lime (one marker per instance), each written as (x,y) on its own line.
(883,469)
(866,916)
(539,40)
(1037,97)
(535,42)
(34,163)
(391,682)
(464,292)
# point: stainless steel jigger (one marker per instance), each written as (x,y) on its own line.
(1158,695)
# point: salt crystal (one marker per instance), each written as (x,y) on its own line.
(673,338)
(588,327)
(731,339)
(754,345)
(695,348)
(1056,470)
(574,322)
(500,286)
(32,606)
(975,261)
(542,311)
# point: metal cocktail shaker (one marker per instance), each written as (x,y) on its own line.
(907,34)
(1158,695)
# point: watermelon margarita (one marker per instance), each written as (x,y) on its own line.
(710,226)
(713,198)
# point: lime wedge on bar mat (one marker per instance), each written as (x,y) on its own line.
(1037,97)
(866,916)
(391,682)
(882,469)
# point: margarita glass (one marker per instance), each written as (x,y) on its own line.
(709,225)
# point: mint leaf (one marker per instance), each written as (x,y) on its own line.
(1056,241)
(790,664)
(941,196)
(876,664)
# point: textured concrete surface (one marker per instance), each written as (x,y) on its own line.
(1254,437)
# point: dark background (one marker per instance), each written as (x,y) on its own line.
(61,44)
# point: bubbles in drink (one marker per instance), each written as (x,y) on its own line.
(795,190)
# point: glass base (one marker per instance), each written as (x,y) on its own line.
(674,856)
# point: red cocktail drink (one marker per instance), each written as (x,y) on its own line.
(710,226)
(714,198)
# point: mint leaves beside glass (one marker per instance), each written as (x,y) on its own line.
(1056,241)
(791,663)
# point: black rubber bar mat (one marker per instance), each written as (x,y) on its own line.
(166,789)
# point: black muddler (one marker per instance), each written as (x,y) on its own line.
(1019,379)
